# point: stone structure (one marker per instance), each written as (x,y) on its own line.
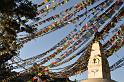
(98,67)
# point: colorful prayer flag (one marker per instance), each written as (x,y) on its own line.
(46,1)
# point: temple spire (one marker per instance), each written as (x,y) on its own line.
(98,66)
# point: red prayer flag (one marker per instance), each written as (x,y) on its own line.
(86,26)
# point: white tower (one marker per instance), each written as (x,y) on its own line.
(98,67)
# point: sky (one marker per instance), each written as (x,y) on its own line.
(42,44)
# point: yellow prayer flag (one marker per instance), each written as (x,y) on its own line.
(46,1)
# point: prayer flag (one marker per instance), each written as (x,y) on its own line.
(47,1)
(86,26)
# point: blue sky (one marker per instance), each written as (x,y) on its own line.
(41,44)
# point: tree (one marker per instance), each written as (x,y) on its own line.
(11,13)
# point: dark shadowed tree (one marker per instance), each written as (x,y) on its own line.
(11,23)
